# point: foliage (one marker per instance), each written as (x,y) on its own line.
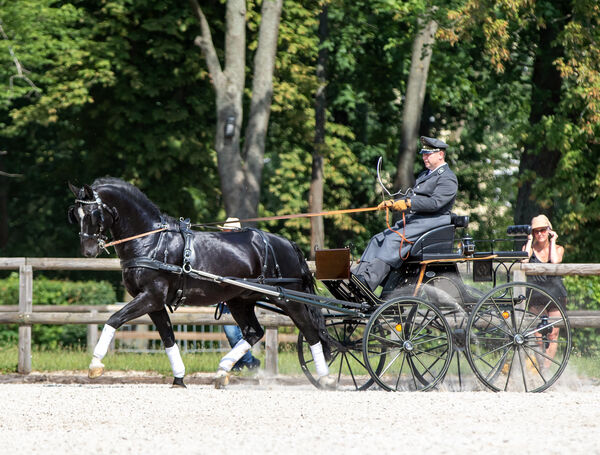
(100,111)
(124,91)
(525,41)
(584,294)
(54,292)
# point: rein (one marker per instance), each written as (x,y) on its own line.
(295,215)
(402,235)
(116,242)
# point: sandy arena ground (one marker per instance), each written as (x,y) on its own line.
(48,414)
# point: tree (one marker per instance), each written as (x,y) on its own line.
(552,44)
(241,171)
(317,237)
(413,102)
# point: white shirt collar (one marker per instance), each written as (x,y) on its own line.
(436,168)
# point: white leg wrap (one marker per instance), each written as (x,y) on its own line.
(176,363)
(106,337)
(319,358)
(234,355)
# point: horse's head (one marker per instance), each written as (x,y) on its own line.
(94,218)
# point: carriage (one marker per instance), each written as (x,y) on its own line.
(426,319)
(514,336)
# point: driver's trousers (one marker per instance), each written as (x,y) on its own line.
(386,249)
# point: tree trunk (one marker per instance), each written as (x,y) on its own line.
(413,103)
(260,106)
(240,176)
(3,210)
(540,162)
(315,199)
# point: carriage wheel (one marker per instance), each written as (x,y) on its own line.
(443,291)
(414,338)
(346,362)
(518,338)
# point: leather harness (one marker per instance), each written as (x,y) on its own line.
(185,270)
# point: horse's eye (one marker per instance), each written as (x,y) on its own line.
(96,216)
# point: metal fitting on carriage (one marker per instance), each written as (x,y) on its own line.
(468,245)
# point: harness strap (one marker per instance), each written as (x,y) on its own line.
(149,263)
(268,248)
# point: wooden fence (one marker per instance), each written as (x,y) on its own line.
(26,315)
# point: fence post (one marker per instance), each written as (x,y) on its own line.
(519,275)
(25,306)
(271,349)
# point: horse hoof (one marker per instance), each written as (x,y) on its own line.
(178,384)
(221,379)
(95,371)
(327,383)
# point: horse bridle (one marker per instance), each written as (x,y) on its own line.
(99,236)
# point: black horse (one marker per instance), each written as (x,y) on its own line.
(156,271)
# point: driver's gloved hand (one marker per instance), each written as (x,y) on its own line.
(386,204)
(401,205)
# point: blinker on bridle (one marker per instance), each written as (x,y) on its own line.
(99,236)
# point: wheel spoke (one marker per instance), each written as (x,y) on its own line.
(543,354)
(535,365)
(509,371)
(400,373)
(496,368)
(480,357)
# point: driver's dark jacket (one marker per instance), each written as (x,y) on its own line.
(431,203)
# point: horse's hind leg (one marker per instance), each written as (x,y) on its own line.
(165,329)
(300,315)
(252,332)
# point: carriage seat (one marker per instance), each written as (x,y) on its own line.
(439,241)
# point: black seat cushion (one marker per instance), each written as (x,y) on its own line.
(437,241)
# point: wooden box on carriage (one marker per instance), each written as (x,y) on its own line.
(333,264)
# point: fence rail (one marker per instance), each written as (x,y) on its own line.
(25,314)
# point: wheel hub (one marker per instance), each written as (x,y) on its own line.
(519,339)
(408,346)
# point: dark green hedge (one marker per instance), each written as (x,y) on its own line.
(54,292)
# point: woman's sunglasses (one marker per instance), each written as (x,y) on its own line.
(540,230)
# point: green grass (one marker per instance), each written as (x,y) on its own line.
(46,360)
(586,366)
(78,359)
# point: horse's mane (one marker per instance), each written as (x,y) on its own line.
(126,187)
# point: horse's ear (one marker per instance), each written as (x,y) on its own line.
(71,215)
(74,189)
(88,192)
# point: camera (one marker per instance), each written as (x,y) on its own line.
(517,230)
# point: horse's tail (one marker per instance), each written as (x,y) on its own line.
(314,312)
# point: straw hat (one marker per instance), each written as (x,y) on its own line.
(540,221)
(232,223)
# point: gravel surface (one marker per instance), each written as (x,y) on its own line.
(253,415)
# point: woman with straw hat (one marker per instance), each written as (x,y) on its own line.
(541,247)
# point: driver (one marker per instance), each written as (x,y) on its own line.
(426,207)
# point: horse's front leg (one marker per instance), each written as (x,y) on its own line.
(252,332)
(142,304)
(165,329)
